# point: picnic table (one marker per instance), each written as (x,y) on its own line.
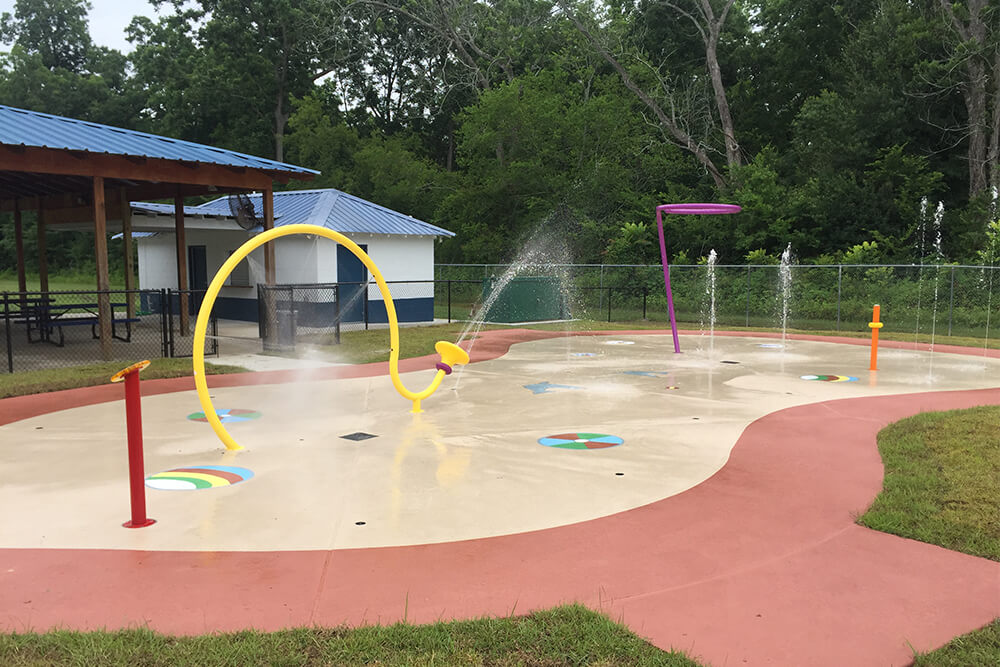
(46,317)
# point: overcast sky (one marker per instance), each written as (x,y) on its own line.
(108,19)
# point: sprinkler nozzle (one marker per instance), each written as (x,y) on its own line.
(451,355)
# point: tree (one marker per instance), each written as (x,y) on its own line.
(229,68)
(977,52)
(550,149)
(661,95)
(54,67)
(795,49)
(709,27)
(56,30)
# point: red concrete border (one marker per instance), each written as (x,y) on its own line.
(760,564)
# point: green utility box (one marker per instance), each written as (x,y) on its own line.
(525,299)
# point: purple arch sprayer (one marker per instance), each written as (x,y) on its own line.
(683,209)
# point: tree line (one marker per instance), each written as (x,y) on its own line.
(832,123)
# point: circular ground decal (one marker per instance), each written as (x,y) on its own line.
(831,378)
(619,342)
(198,477)
(581,441)
(774,346)
(582,354)
(227,416)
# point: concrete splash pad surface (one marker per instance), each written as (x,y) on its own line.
(470,467)
(761,563)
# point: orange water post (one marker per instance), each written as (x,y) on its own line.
(874,325)
(133,421)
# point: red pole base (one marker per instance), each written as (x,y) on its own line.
(143,524)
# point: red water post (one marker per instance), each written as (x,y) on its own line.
(133,421)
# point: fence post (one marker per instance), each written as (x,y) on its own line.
(645,292)
(6,328)
(748,296)
(601,292)
(609,300)
(840,275)
(449,301)
(164,344)
(215,335)
(951,300)
(336,313)
(364,286)
(170,322)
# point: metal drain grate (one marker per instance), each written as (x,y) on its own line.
(358,436)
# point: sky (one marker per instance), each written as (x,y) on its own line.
(108,19)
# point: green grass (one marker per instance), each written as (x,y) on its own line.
(981,647)
(360,347)
(942,472)
(61,283)
(568,635)
(71,377)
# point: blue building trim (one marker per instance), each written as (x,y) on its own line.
(309,314)
(407,310)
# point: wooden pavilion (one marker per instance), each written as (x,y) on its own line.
(73,171)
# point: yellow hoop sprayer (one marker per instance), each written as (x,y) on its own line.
(451,354)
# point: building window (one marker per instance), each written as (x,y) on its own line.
(240,277)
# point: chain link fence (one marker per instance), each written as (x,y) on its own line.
(319,313)
(57,329)
(925,300)
(54,329)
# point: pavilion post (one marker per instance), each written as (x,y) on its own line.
(101,256)
(182,272)
(43,261)
(22,278)
(127,249)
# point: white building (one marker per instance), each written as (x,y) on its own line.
(401,246)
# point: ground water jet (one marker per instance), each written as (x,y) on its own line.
(544,252)
(709,301)
(784,291)
(938,258)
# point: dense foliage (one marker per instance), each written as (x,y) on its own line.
(829,122)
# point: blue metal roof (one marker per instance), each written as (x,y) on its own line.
(168,209)
(335,210)
(19,127)
(137,235)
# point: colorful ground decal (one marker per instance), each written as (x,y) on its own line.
(831,378)
(581,441)
(649,374)
(544,387)
(776,346)
(198,477)
(672,386)
(227,416)
(582,354)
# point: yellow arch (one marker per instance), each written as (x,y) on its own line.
(451,354)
